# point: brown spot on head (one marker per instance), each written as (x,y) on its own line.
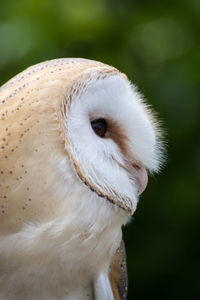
(109,129)
(118,135)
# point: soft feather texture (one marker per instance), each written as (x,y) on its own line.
(113,99)
(64,191)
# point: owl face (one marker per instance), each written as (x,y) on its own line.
(112,138)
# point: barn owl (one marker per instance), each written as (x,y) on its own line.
(76,143)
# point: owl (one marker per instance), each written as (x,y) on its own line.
(76,143)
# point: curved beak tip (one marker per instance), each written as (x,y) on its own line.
(142,179)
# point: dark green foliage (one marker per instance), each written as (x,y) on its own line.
(156,43)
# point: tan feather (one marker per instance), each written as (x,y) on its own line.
(118,273)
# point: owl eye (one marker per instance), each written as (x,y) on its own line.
(99,126)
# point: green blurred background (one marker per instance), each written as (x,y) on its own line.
(156,43)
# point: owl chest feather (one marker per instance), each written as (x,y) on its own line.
(59,261)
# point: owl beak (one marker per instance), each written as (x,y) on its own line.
(141,178)
(139,175)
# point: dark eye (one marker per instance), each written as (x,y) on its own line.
(99,126)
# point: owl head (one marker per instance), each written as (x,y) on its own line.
(74,122)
